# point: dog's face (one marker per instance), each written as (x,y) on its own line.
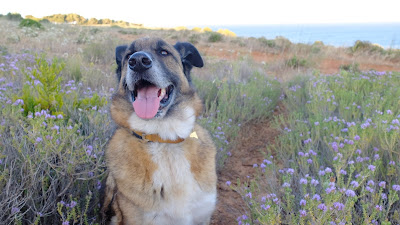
(154,76)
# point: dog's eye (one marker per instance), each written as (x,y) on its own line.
(164,52)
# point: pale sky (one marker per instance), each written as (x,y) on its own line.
(171,13)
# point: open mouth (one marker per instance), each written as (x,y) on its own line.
(149,99)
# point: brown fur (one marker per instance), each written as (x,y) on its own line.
(132,189)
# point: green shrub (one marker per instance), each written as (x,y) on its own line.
(354,67)
(43,87)
(215,37)
(267,42)
(30,23)
(366,46)
(295,62)
(94,31)
(14,16)
(3,50)
(194,38)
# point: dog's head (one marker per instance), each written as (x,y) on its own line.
(154,78)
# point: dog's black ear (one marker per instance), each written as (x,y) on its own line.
(190,57)
(119,54)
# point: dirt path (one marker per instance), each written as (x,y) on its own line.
(251,142)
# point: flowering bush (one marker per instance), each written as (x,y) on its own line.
(50,153)
(337,157)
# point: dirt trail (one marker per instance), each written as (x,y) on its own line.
(251,142)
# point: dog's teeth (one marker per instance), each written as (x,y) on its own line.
(162,94)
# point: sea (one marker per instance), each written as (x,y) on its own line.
(386,35)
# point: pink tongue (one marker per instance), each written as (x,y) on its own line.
(147,102)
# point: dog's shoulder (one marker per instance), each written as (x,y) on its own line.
(200,151)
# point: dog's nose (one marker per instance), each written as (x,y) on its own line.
(140,61)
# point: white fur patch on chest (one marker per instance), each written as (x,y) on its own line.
(167,128)
(182,201)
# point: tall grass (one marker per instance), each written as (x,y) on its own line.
(232,102)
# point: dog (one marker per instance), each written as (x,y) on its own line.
(161,163)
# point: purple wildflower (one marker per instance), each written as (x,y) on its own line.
(371,183)
(265,207)
(311,152)
(19,102)
(303,213)
(383,196)
(267,161)
(350,193)
(382,184)
(228,183)
(73,204)
(314,182)
(396,187)
(330,189)
(339,206)
(249,195)
(303,181)
(343,172)
(263,199)
(322,207)
(369,189)
(15,210)
(396,121)
(303,202)
(354,184)
(286,184)
(371,167)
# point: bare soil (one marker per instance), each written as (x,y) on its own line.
(328,64)
(250,148)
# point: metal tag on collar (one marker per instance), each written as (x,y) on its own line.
(144,137)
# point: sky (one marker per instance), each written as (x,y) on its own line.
(173,13)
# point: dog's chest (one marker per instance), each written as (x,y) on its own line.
(173,177)
(180,196)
